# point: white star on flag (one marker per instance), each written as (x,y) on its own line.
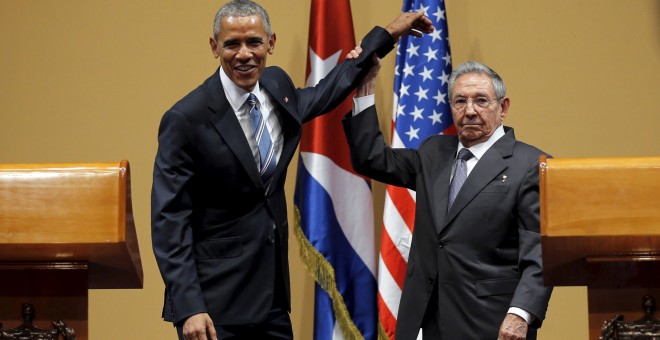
(426,74)
(412,133)
(431,55)
(421,94)
(320,67)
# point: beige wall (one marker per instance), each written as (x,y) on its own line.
(87,81)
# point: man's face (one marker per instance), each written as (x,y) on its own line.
(481,113)
(242,46)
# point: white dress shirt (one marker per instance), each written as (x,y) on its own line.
(237,98)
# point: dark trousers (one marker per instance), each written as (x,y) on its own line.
(277,325)
(431,322)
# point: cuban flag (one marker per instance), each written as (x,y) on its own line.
(421,109)
(334,214)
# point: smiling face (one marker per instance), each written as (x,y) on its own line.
(474,123)
(242,46)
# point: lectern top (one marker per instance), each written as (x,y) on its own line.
(600,196)
(63,203)
(54,213)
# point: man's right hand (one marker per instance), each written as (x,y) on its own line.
(414,23)
(198,326)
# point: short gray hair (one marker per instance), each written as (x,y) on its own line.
(475,67)
(241,8)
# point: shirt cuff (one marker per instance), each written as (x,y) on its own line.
(362,103)
(529,318)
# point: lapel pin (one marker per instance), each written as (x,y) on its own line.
(286,99)
(503,178)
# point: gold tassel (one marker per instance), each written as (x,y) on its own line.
(382,335)
(324,274)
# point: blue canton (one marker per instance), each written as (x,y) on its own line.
(423,66)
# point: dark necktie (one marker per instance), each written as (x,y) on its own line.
(262,137)
(460,174)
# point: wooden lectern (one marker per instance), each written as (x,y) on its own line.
(64,229)
(600,228)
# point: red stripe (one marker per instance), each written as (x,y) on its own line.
(387,319)
(392,258)
(404,203)
(451,130)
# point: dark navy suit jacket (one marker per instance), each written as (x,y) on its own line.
(212,217)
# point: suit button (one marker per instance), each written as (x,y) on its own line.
(270,239)
(442,243)
(430,281)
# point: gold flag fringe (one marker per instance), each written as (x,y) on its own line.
(324,274)
(382,335)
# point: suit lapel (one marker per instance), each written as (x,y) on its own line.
(489,166)
(440,183)
(225,122)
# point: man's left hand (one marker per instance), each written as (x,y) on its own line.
(513,328)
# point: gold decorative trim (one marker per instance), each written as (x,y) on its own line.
(324,274)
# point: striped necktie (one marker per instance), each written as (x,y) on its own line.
(262,137)
(460,175)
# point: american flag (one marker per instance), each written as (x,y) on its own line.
(421,109)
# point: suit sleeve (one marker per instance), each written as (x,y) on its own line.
(344,78)
(171,208)
(372,157)
(530,295)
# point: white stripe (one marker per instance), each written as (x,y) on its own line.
(269,158)
(260,124)
(351,201)
(395,106)
(396,141)
(396,227)
(388,288)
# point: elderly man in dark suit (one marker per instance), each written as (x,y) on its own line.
(474,270)
(219,216)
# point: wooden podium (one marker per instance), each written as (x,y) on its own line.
(64,229)
(600,228)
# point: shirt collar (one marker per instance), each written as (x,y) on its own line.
(236,95)
(478,150)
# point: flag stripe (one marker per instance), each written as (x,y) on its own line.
(404,203)
(395,264)
(351,207)
(390,297)
(386,317)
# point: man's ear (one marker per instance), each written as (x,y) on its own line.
(506,102)
(271,43)
(214,47)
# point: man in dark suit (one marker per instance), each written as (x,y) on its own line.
(219,216)
(474,269)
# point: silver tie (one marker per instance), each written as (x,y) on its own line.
(460,174)
(262,137)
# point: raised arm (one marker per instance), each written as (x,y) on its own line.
(346,76)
